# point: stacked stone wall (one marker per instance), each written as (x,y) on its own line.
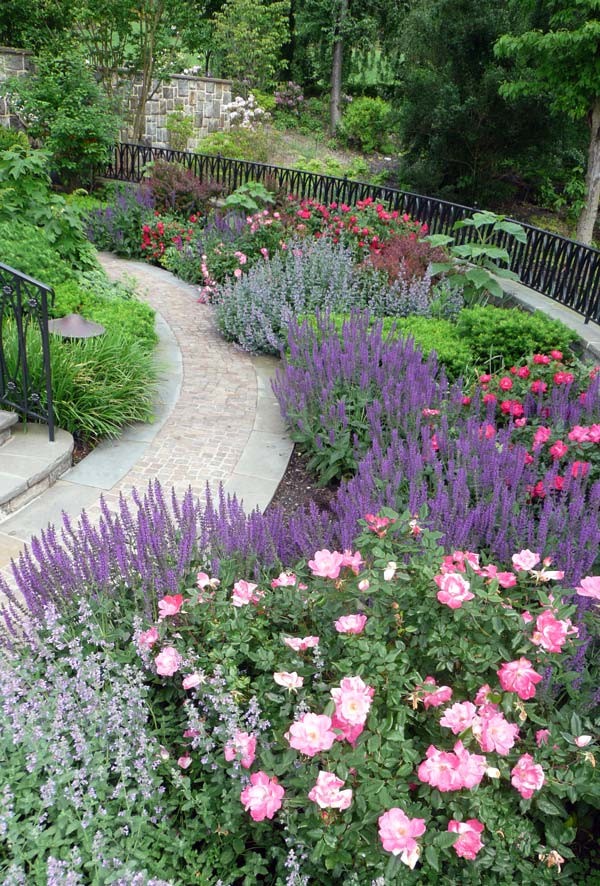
(200,98)
(13,63)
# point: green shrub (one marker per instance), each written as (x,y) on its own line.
(358,168)
(180,129)
(366,122)
(510,334)
(98,384)
(237,144)
(27,248)
(108,304)
(11,137)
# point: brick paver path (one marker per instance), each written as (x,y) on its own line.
(209,426)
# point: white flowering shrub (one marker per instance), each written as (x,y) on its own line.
(246,113)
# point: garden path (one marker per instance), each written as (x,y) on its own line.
(217,420)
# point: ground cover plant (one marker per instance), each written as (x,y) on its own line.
(305,723)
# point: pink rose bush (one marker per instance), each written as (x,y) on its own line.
(417,739)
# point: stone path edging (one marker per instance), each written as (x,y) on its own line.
(217,420)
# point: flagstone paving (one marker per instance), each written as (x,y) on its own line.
(216,420)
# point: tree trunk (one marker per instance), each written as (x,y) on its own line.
(335,107)
(589,213)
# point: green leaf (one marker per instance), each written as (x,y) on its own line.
(445,839)
(432,857)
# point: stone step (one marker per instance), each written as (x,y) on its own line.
(7,420)
(29,464)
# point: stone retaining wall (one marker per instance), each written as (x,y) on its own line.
(201,98)
(13,63)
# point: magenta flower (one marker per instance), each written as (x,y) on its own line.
(542,736)
(185,761)
(262,797)
(519,676)
(169,605)
(527,776)
(244,593)
(469,842)
(326,564)
(147,639)
(351,624)
(551,633)
(589,587)
(437,695)
(495,733)
(459,717)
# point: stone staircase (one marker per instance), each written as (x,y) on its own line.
(29,463)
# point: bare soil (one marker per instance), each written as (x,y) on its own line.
(299,487)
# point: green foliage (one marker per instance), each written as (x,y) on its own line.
(12,138)
(62,105)
(249,197)
(32,24)
(358,168)
(180,129)
(237,144)
(366,123)
(499,336)
(25,194)
(474,264)
(250,35)
(28,249)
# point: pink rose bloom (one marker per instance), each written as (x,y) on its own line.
(205,581)
(506,579)
(505,383)
(518,676)
(438,695)
(541,436)
(364,584)
(497,734)
(541,359)
(520,422)
(262,797)
(242,745)
(523,372)
(352,561)
(440,769)
(327,564)
(243,593)
(300,644)
(284,580)
(167,662)
(542,736)
(459,717)
(352,700)
(527,776)
(556,355)
(594,433)
(527,616)
(469,842)
(184,761)
(346,731)
(453,589)
(582,741)
(310,734)
(589,587)
(351,624)
(538,386)
(291,681)
(525,560)
(579,434)
(397,833)
(483,694)
(326,792)
(551,633)
(563,378)
(558,449)
(169,606)
(192,680)
(148,638)
(580,468)
(378,525)
(471,767)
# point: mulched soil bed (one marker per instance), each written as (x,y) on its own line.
(298,487)
(81,448)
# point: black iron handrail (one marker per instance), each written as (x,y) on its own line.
(564,270)
(24,304)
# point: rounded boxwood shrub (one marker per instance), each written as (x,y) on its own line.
(510,334)
(365,123)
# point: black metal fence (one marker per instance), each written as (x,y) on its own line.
(566,271)
(25,377)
